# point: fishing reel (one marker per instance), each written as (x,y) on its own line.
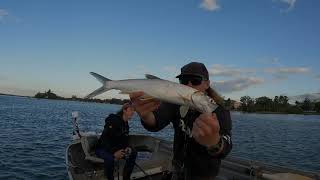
(127,153)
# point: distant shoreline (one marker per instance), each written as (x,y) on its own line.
(284,113)
(104,102)
(2,94)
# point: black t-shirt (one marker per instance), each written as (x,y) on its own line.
(194,156)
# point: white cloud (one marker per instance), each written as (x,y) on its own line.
(238,84)
(283,73)
(228,71)
(210,5)
(288,70)
(290,3)
(317,76)
(3,14)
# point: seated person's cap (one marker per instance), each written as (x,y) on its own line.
(194,68)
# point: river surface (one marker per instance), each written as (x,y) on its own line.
(34,135)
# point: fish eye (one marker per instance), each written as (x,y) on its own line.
(211,100)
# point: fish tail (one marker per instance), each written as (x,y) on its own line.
(99,77)
(102,89)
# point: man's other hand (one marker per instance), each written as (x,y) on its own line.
(206,129)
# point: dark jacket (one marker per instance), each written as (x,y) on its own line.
(115,134)
(195,157)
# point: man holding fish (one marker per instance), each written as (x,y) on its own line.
(202,127)
(201,140)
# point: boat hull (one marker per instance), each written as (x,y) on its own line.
(154,157)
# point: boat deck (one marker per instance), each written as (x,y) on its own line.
(155,155)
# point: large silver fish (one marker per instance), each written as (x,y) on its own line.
(163,90)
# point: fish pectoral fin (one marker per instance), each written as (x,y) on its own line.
(183,97)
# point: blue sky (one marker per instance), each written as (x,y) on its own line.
(256,48)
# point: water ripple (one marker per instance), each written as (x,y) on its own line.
(35,133)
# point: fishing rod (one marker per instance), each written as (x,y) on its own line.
(126,156)
(76,130)
(147,175)
(144,172)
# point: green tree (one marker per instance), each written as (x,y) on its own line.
(228,103)
(247,103)
(317,106)
(51,95)
(48,94)
(276,103)
(306,105)
(263,103)
(283,100)
(294,110)
(39,95)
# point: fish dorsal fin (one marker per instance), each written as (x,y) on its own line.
(149,76)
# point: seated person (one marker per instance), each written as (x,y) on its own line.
(113,142)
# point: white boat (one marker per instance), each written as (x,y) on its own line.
(154,161)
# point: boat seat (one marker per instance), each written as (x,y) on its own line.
(88,145)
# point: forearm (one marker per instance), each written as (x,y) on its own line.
(158,119)
(149,119)
(225,132)
(150,122)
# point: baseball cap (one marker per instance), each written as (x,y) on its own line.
(196,69)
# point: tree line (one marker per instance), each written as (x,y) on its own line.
(279,104)
(50,95)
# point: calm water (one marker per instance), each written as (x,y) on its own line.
(34,135)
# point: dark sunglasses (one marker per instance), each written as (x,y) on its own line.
(195,80)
